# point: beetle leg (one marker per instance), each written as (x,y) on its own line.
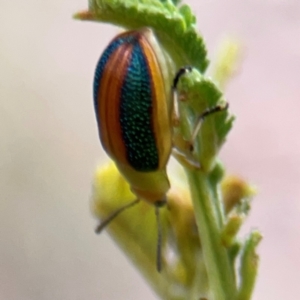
(182,157)
(200,120)
(176,112)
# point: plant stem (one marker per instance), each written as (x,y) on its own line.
(219,270)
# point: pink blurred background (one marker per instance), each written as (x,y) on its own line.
(49,147)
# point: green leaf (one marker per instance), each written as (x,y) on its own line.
(174,26)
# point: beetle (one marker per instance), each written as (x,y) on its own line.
(135,103)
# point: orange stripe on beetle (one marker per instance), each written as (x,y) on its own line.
(161,117)
(109,110)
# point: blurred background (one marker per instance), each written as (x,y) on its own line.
(49,147)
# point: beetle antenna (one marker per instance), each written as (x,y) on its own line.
(159,240)
(104,223)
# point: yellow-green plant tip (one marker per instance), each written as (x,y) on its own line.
(234,190)
(84,15)
(249,266)
(231,229)
(227,61)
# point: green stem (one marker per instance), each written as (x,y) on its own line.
(219,270)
